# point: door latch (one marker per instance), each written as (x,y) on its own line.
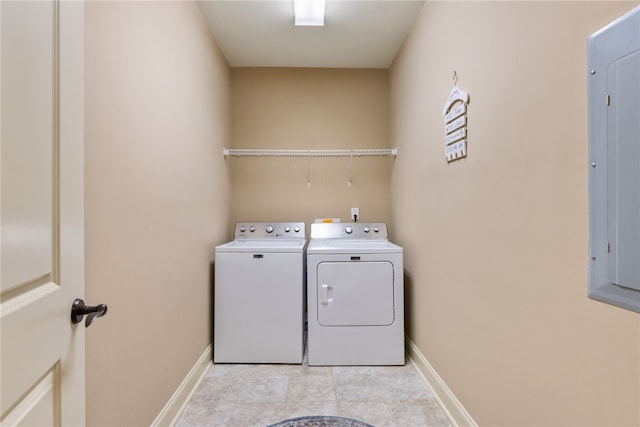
(79,310)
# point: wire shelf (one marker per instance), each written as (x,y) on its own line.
(250,152)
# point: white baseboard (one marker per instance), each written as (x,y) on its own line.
(449,403)
(169,414)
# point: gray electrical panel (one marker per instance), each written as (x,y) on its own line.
(613,55)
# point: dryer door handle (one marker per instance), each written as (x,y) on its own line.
(325,294)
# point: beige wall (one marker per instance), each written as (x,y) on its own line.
(309,109)
(497,274)
(496,279)
(157,193)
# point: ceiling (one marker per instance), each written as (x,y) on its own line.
(356,34)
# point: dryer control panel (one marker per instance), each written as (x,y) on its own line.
(269,230)
(349,230)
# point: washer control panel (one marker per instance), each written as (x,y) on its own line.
(349,230)
(269,230)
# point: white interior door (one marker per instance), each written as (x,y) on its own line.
(42,353)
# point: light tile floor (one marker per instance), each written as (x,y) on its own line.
(259,395)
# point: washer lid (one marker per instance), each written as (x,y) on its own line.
(346,246)
(263,245)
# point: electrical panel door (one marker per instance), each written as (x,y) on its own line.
(614,162)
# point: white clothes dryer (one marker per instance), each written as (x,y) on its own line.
(355,295)
(259,294)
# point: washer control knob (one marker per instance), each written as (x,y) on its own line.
(287,229)
(376,229)
(366,229)
(243,228)
(269,229)
(296,229)
(348,230)
(252,229)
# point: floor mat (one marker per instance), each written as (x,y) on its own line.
(320,421)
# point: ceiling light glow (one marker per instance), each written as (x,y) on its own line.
(309,12)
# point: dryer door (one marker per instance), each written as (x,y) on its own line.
(355,293)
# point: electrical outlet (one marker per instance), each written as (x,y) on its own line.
(355,214)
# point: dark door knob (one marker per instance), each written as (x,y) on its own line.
(79,310)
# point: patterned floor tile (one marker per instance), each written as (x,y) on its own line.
(305,409)
(259,395)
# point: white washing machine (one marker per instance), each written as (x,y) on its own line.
(355,295)
(259,294)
